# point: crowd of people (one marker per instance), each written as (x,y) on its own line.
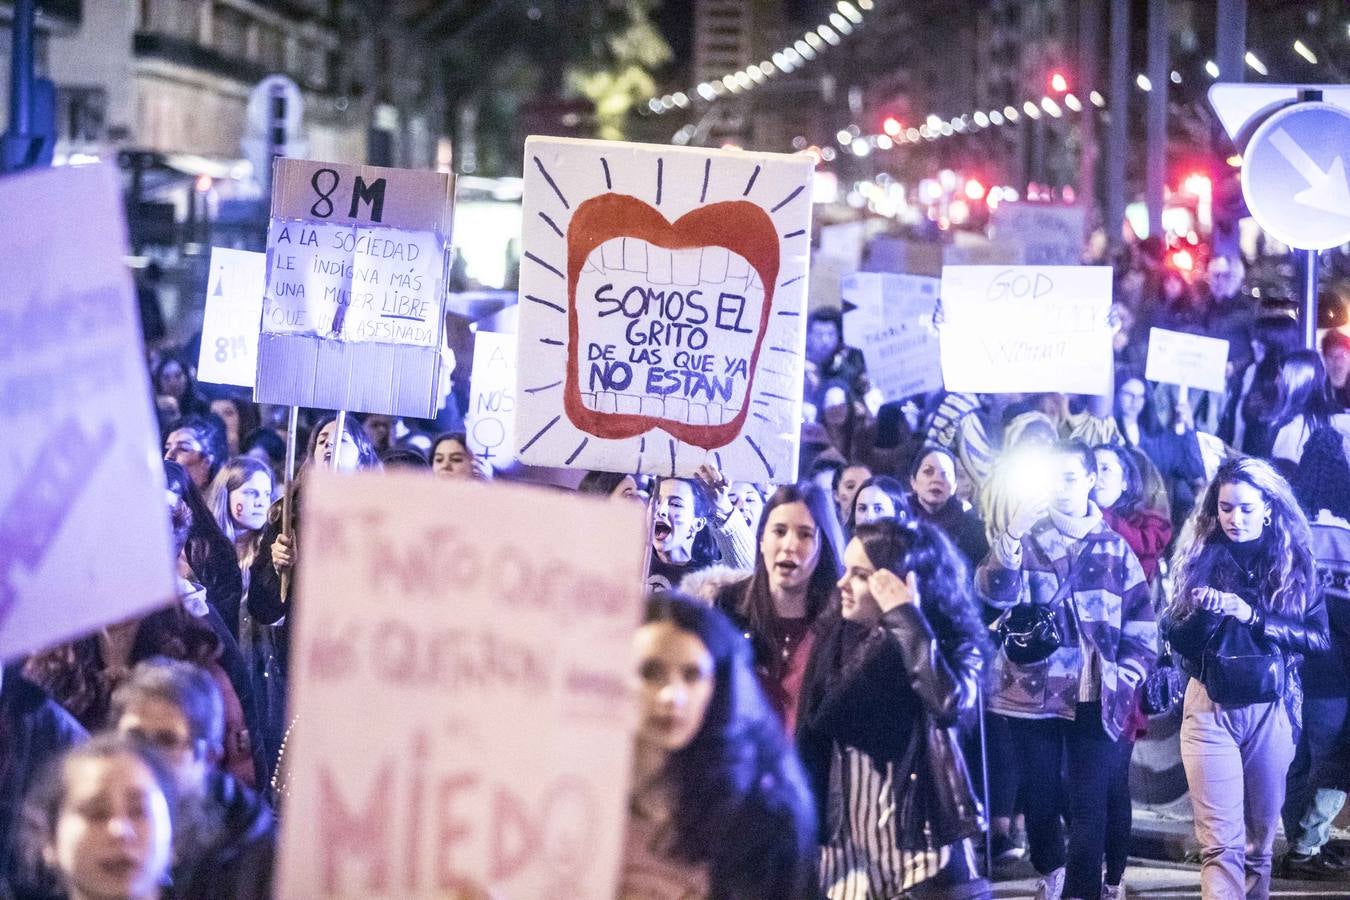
(930,655)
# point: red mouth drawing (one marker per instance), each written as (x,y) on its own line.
(738,241)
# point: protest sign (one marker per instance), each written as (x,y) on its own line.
(1051,234)
(490,425)
(662,308)
(1190,360)
(491,665)
(1010,329)
(84,535)
(356,265)
(234,291)
(892,323)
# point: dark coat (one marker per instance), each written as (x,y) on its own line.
(231,856)
(1295,636)
(962,525)
(895,692)
(33,731)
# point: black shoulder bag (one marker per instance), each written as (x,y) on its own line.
(1029,632)
(1238,667)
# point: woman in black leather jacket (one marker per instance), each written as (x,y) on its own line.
(1246,609)
(891,674)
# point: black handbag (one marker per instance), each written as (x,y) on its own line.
(1162,688)
(1238,668)
(1030,632)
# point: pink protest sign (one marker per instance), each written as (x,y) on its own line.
(461,687)
(84,537)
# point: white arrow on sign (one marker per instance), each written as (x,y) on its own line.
(1327,191)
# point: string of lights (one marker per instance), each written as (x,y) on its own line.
(847,18)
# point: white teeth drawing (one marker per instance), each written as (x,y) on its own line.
(651,312)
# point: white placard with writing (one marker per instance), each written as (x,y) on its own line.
(662,308)
(1050,234)
(354,283)
(1013,329)
(230,325)
(490,424)
(84,535)
(1190,360)
(893,326)
(491,667)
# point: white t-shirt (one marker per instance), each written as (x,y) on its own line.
(1293,437)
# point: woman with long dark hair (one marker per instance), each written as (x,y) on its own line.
(719,807)
(1245,610)
(892,672)
(1119,493)
(240,497)
(1174,451)
(277,549)
(1305,405)
(797,563)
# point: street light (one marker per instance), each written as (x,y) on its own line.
(1304,51)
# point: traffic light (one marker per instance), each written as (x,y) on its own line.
(1058,83)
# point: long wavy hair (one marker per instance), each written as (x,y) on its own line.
(756,606)
(944,579)
(231,477)
(737,785)
(1290,571)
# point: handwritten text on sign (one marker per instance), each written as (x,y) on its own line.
(893,326)
(490,423)
(234,291)
(662,309)
(1026,328)
(1191,360)
(354,283)
(493,680)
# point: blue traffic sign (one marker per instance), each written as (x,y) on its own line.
(1294,175)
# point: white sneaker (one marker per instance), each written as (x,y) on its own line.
(1051,886)
(1113,891)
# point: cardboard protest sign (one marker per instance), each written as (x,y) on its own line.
(490,424)
(84,533)
(1010,329)
(356,265)
(234,292)
(1190,360)
(491,665)
(662,308)
(892,323)
(1051,234)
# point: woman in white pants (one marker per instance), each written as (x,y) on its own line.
(1245,610)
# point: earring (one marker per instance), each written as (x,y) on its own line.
(1267,518)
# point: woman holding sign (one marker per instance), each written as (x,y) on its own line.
(719,806)
(276,555)
(796,566)
(1245,611)
(893,671)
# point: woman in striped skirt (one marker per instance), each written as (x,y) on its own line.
(890,676)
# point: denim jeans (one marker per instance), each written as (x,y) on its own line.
(1315,788)
(1051,749)
(1236,758)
